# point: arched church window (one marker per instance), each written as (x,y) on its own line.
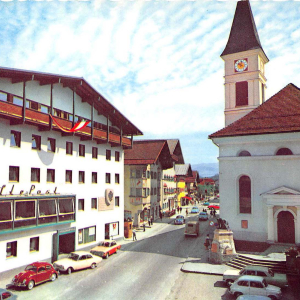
(284,151)
(244,153)
(245,194)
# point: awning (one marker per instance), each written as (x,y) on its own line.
(188,198)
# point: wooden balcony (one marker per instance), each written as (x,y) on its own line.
(42,120)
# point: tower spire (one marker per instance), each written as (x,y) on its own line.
(243,35)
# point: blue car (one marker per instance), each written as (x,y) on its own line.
(179,220)
(206,203)
(195,210)
(203,216)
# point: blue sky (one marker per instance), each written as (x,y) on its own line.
(158,61)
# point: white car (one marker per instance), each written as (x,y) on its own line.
(254,285)
(252,297)
(77,260)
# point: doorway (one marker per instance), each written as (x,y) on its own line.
(286,227)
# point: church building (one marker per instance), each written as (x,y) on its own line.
(259,148)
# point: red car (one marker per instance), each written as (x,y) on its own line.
(214,206)
(106,248)
(34,274)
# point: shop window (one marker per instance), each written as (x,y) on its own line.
(94,177)
(117,156)
(51,145)
(108,154)
(87,235)
(35,175)
(36,142)
(81,176)
(81,150)
(14,173)
(68,176)
(47,208)
(11,249)
(94,203)
(117,201)
(51,175)
(245,195)
(81,204)
(15,139)
(117,178)
(34,244)
(95,152)
(69,148)
(107,177)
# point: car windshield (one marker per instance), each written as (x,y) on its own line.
(31,268)
(179,217)
(73,256)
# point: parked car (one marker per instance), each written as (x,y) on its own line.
(271,278)
(214,206)
(76,261)
(206,203)
(254,285)
(192,228)
(5,294)
(35,273)
(179,220)
(106,248)
(203,216)
(195,210)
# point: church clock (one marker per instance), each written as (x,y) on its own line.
(241,65)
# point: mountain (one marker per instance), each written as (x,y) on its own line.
(206,169)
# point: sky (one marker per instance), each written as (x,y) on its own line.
(158,62)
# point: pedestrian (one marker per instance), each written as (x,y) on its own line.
(134,235)
(144,226)
(207,243)
(186,211)
(160,215)
(211,213)
(180,209)
(149,222)
(214,212)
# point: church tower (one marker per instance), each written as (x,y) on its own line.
(245,60)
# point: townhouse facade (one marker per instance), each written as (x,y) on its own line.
(183,171)
(61,177)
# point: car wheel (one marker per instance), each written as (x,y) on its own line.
(106,256)
(237,294)
(53,277)
(93,266)
(69,271)
(30,285)
(229,282)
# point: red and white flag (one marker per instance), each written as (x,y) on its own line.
(79,125)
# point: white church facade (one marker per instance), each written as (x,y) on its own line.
(259,148)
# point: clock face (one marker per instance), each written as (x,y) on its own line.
(241,65)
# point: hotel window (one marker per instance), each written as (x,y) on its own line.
(81,204)
(66,209)
(14,173)
(5,211)
(81,176)
(51,145)
(95,152)
(117,156)
(87,235)
(107,177)
(69,148)
(117,201)
(34,244)
(94,203)
(36,142)
(25,209)
(35,174)
(15,139)
(117,178)
(245,195)
(81,150)
(50,175)
(138,173)
(11,249)
(108,154)
(68,176)
(94,177)
(47,208)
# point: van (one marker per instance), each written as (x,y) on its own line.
(192,228)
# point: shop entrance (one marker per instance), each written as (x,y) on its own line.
(286,227)
(63,242)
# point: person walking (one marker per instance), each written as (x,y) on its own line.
(149,222)
(207,243)
(134,235)
(144,226)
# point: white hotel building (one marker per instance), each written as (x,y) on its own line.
(60,191)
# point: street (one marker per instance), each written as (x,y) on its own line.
(149,268)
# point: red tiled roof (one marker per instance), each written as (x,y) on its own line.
(204,181)
(280,114)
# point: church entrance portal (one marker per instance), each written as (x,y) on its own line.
(286,227)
